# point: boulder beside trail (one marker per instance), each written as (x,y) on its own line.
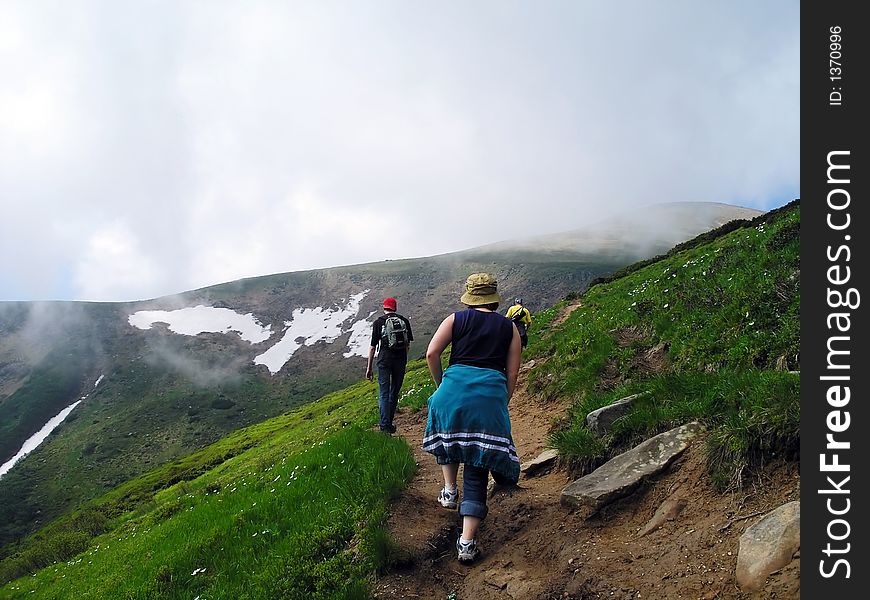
(622,474)
(601,420)
(768,545)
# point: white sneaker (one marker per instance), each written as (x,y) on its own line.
(466,551)
(449,499)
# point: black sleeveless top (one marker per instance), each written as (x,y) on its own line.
(481,339)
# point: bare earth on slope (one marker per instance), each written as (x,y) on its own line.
(533,548)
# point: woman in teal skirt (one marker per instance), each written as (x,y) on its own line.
(468,420)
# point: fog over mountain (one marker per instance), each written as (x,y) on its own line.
(640,233)
(148,148)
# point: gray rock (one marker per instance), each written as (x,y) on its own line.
(527,365)
(545,460)
(768,545)
(601,420)
(621,475)
(669,510)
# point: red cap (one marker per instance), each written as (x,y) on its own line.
(390,304)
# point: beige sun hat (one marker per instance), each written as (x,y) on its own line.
(480,289)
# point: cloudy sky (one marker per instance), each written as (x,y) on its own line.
(151,147)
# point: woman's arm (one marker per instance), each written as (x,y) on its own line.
(439,342)
(513,361)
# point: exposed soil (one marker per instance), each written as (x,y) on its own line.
(566,312)
(533,548)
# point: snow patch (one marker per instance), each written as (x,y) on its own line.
(307,327)
(37,438)
(360,338)
(204,319)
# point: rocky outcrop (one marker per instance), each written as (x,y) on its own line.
(622,474)
(601,420)
(768,545)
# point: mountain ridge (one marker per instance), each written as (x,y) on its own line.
(707,333)
(165,394)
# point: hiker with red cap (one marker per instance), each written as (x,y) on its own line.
(391,337)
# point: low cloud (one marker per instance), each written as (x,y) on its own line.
(148,149)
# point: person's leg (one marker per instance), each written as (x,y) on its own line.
(397,377)
(450,472)
(470,526)
(384,380)
(448,497)
(473,508)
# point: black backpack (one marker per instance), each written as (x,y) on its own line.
(394,333)
(518,320)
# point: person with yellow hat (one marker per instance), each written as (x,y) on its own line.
(468,421)
(522,318)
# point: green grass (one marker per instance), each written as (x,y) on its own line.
(274,524)
(754,417)
(46,392)
(112,438)
(254,447)
(294,506)
(722,320)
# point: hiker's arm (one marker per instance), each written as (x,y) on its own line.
(513,362)
(376,339)
(440,341)
(369,375)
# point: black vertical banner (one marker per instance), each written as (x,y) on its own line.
(835,420)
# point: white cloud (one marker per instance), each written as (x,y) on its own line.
(114,266)
(237,139)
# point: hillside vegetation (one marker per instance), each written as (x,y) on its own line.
(707,332)
(279,509)
(164,395)
(295,506)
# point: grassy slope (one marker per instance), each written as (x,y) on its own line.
(164,396)
(722,316)
(727,311)
(139,417)
(309,485)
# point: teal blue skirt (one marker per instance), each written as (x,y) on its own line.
(469,422)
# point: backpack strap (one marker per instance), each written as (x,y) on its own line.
(518,316)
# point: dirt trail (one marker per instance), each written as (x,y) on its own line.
(510,559)
(566,312)
(533,548)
